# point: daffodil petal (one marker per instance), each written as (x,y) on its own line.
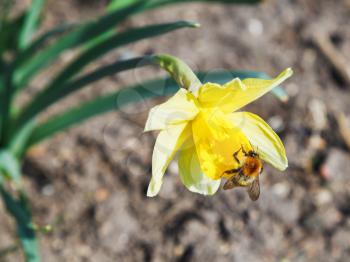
(178,109)
(236,93)
(214,95)
(167,143)
(216,140)
(191,173)
(264,140)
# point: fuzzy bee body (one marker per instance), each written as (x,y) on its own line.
(247,175)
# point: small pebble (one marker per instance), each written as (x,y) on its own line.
(276,123)
(323,197)
(281,189)
(319,113)
(48,190)
(101,194)
(317,142)
(292,89)
(178,250)
(255,27)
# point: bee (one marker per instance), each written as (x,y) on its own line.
(247,174)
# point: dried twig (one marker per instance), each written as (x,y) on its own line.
(333,56)
(344,128)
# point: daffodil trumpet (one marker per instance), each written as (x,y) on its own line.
(201,122)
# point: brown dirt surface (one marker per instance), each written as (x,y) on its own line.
(90,182)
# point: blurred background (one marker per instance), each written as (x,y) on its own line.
(90,182)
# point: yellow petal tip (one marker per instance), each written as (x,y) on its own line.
(154,187)
(284,166)
(288,72)
(151,192)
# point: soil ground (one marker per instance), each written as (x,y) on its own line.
(90,182)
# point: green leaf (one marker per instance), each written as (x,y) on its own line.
(84,32)
(117,40)
(214,1)
(18,208)
(5,106)
(150,4)
(123,97)
(101,105)
(3,68)
(112,7)
(19,140)
(10,166)
(40,41)
(73,68)
(9,32)
(30,23)
(280,93)
(117,4)
(51,95)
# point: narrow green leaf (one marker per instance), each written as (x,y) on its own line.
(112,7)
(5,106)
(51,95)
(280,93)
(9,32)
(117,4)
(9,166)
(126,96)
(81,34)
(151,4)
(40,41)
(117,40)
(3,68)
(101,105)
(30,23)
(19,140)
(213,1)
(18,208)
(73,68)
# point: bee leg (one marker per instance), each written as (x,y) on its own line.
(231,182)
(235,156)
(244,152)
(262,169)
(232,171)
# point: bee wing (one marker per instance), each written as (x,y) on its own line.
(229,184)
(254,190)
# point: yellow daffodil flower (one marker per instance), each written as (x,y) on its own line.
(201,123)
